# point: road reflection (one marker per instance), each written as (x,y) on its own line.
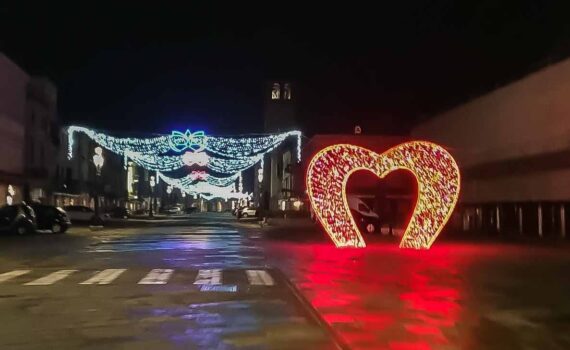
(382,297)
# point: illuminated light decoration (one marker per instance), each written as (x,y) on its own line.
(236,153)
(435,170)
(206,190)
(198,175)
(98,159)
(298,146)
(243,147)
(260,170)
(229,166)
(154,145)
(198,158)
(11,190)
(240,183)
(195,141)
(10,196)
(190,179)
(225,156)
(156,162)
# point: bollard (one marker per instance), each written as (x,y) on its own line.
(498,221)
(479,219)
(540,220)
(562,221)
(466,221)
(520,219)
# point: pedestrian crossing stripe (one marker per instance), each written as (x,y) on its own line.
(205,279)
(12,274)
(213,277)
(104,277)
(259,277)
(51,278)
(157,276)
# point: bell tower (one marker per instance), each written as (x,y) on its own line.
(279,113)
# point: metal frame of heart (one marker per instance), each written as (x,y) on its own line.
(435,170)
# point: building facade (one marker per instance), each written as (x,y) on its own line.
(274,183)
(77,182)
(28,135)
(513,149)
(42,139)
(13,87)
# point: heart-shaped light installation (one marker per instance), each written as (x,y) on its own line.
(435,170)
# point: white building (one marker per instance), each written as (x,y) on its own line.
(28,134)
(513,148)
(13,87)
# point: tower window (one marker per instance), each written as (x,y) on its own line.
(287,91)
(275,91)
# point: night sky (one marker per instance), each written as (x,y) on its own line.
(152,69)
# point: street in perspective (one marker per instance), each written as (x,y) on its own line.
(185,177)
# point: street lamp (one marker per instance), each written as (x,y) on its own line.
(152,183)
(98,161)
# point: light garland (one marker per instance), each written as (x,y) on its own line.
(198,158)
(234,154)
(168,153)
(205,189)
(195,141)
(248,147)
(435,170)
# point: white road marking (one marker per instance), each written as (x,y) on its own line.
(104,277)
(157,276)
(51,278)
(259,278)
(213,276)
(12,274)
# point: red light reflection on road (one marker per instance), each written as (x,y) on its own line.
(382,297)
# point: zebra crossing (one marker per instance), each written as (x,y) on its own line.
(203,279)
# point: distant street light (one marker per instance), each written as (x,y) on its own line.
(152,184)
(98,161)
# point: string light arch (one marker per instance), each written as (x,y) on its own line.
(174,153)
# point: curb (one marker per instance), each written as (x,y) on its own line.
(313,314)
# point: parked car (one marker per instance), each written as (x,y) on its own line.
(79,213)
(247,212)
(141,212)
(173,210)
(51,218)
(19,219)
(366,219)
(119,213)
(191,210)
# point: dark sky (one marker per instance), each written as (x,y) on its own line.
(151,68)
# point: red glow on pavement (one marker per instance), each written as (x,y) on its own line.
(383,297)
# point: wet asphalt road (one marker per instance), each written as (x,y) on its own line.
(212,283)
(468,294)
(204,285)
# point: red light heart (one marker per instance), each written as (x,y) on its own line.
(435,170)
